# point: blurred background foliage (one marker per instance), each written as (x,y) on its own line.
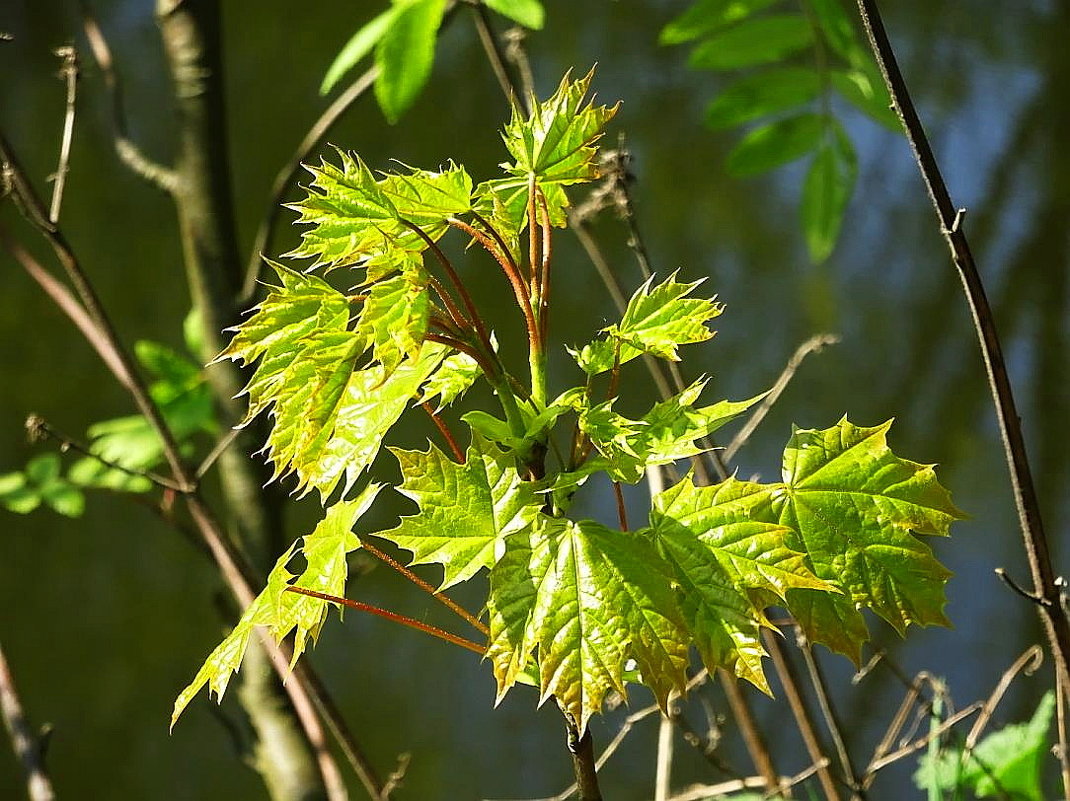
(107,616)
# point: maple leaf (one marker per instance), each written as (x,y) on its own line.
(718,553)
(585,599)
(853,507)
(280,611)
(451,380)
(358,219)
(657,321)
(466,510)
(395,316)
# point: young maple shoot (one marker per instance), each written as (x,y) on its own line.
(575,607)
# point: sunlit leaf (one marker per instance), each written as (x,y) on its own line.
(360,44)
(405,53)
(17,494)
(837,28)
(718,552)
(360,220)
(528,13)
(763,93)
(865,89)
(556,144)
(394,318)
(656,321)
(466,510)
(281,611)
(708,16)
(451,380)
(760,40)
(586,599)
(826,191)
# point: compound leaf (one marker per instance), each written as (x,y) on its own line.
(761,94)
(777,143)
(405,54)
(528,13)
(827,189)
(709,16)
(360,44)
(466,510)
(760,40)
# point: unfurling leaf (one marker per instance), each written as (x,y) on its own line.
(657,320)
(280,611)
(451,380)
(330,418)
(358,220)
(466,510)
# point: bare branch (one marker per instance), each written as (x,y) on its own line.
(813,345)
(129,153)
(28,748)
(69,72)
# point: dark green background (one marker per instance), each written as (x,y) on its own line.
(107,617)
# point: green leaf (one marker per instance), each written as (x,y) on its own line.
(761,94)
(826,191)
(1006,764)
(405,53)
(359,45)
(775,144)
(657,320)
(329,417)
(16,495)
(555,146)
(864,88)
(281,611)
(451,380)
(394,318)
(528,13)
(64,498)
(718,553)
(854,507)
(708,16)
(360,221)
(587,599)
(466,510)
(761,40)
(837,28)
(90,472)
(43,468)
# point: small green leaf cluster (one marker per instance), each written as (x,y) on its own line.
(403,39)
(796,61)
(575,606)
(121,450)
(1008,763)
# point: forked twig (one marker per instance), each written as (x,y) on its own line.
(69,72)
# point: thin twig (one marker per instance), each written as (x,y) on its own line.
(802,716)
(238,575)
(287,175)
(394,617)
(493,50)
(28,747)
(129,153)
(445,600)
(1028,663)
(1057,627)
(921,742)
(217,450)
(813,345)
(40,428)
(832,723)
(69,72)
